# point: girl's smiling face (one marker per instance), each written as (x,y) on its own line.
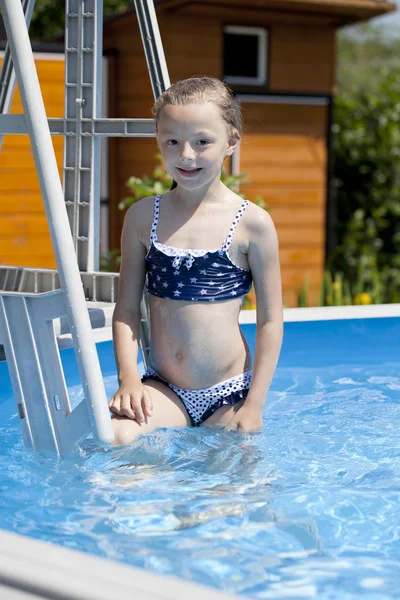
(193,140)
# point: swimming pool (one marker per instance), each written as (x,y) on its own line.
(308,508)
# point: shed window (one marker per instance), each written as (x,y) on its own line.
(245,55)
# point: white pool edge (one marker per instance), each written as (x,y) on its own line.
(330,313)
(38,570)
(101,317)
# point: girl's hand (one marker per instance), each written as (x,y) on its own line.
(246,419)
(132,401)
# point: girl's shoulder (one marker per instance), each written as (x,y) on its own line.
(257,218)
(139,213)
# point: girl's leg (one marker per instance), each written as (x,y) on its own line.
(168,411)
(222,416)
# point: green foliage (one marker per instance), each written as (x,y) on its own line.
(366,55)
(160,182)
(339,291)
(48,16)
(302,296)
(149,185)
(366,137)
(110,262)
(334,291)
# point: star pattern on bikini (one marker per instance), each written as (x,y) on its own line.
(214,281)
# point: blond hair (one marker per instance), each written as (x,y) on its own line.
(197,90)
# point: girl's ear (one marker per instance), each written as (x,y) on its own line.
(233,141)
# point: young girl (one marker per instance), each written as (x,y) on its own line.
(197,249)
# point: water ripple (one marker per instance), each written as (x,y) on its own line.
(308,508)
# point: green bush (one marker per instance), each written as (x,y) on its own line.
(367,185)
(339,291)
(160,183)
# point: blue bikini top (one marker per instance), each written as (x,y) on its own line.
(198,275)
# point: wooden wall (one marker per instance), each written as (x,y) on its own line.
(284,148)
(24,235)
(284,154)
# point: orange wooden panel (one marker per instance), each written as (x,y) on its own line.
(24,237)
(298,216)
(292,174)
(28,259)
(21,143)
(300,236)
(284,195)
(284,155)
(302,59)
(17,226)
(295,276)
(310,257)
(13,156)
(272,149)
(16,180)
(20,204)
(24,244)
(292,120)
(261,15)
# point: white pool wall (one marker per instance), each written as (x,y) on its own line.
(101,317)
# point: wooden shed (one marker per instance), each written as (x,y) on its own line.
(278,56)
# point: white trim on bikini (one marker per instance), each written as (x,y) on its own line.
(194,253)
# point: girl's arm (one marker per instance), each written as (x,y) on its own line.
(131,400)
(126,318)
(263,257)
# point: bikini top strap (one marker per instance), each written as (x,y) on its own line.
(226,245)
(153,231)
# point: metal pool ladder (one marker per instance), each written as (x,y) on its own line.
(32,299)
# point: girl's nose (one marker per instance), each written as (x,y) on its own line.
(187,152)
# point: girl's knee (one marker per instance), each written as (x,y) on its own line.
(125,431)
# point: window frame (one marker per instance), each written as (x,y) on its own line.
(262,75)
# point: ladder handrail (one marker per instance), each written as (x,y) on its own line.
(70,231)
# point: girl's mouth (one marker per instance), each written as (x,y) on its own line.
(189,172)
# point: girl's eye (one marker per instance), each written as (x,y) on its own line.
(204,142)
(171,142)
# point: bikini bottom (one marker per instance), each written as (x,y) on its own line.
(203,402)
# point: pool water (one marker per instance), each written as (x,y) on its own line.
(307,508)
